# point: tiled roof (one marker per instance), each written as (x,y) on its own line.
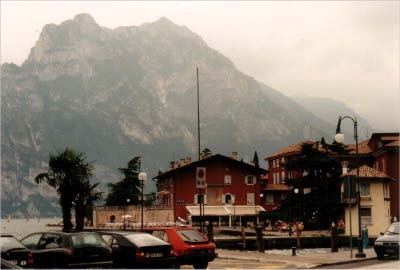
(363,148)
(290,149)
(393,144)
(390,138)
(368,172)
(279,187)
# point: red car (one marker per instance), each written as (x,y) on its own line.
(190,246)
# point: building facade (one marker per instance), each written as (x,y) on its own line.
(231,195)
(374,202)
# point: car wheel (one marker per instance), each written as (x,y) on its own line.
(380,255)
(200,265)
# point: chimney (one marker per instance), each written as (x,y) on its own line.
(172,165)
(182,162)
(234,155)
(252,163)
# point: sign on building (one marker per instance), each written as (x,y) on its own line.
(201,177)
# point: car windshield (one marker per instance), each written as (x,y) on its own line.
(394,229)
(9,242)
(144,239)
(87,240)
(191,235)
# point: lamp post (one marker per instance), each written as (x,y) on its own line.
(127,202)
(296,191)
(339,138)
(142,178)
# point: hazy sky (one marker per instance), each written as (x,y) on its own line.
(348,51)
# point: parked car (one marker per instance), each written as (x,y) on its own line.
(14,252)
(190,246)
(139,250)
(7,265)
(68,250)
(388,242)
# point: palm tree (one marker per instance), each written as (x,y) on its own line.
(67,170)
(84,202)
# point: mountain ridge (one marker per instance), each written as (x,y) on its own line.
(131,91)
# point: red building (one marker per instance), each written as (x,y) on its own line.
(231,196)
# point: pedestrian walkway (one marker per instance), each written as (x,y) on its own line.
(309,260)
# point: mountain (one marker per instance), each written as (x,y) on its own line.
(329,110)
(131,91)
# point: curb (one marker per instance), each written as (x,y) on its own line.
(302,265)
(342,262)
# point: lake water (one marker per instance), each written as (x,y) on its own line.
(21,227)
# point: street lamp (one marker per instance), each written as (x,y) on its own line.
(127,202)
(142,178)
(296,191)
(339,138)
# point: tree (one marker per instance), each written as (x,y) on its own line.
(84,203)
(321,171)
(255,160)
(128,187)
(68,169)
(206,152)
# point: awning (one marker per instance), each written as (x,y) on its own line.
(225,210)
(244,210)
(194,210)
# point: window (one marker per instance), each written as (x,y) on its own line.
(366,217)
(273,163)
(274,178)
(283,176)
(228,199)
(269,199)
(250,179)
(365,189)
(250,198)
(282,160)
(227,180)
(31,241)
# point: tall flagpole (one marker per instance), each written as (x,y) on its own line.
(198,139)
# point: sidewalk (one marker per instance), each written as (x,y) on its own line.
(309,260)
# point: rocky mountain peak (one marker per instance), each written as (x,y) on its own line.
(84,19)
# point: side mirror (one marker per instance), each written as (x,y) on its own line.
(381,233)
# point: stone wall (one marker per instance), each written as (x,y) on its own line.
(152,214)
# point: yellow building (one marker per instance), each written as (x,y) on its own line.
(373,187)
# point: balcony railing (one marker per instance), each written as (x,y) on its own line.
(347,200)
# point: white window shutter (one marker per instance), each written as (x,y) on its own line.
(233,198)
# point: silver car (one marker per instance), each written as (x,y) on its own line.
(389,242)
